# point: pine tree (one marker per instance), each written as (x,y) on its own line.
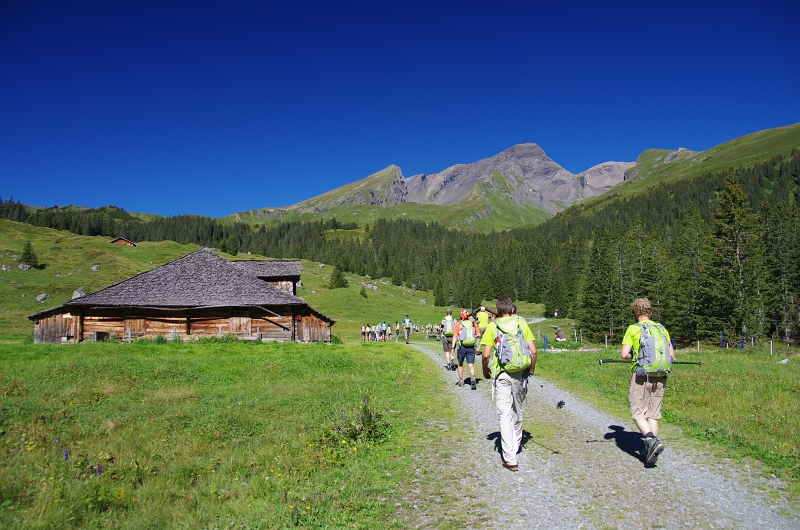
(781,244)
(233,245)
(733,285)
(685,278)
(28,255)
(338,280)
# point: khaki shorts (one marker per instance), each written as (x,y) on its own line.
(645,396)
(446,344)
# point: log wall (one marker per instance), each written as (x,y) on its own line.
(252,324)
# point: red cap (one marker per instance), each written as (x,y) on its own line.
(464,314)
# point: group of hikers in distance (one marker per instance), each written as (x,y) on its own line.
(383,332)
(508,358)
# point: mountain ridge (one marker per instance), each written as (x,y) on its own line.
(534,178)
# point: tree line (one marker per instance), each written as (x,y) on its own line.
(716,253)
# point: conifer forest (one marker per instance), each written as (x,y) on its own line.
(719,253)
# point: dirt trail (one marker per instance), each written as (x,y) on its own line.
(580,468)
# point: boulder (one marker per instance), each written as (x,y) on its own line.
(24,266)
(77,294)
(42,297)
(95,267)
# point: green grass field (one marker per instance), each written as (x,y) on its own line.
(197,433)
(203,435)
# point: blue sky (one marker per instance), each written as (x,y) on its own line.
(175,107)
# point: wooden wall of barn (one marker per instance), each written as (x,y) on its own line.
(56,329)
(250,324)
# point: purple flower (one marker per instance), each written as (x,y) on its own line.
(99,470)
(364,402)
(58,440)
(66,455)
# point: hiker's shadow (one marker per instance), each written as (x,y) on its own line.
(630,442)
(526,437)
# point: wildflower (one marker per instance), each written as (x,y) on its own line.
(99,470)
(58,440)
(291,507)
(355,449)
(344,442)
(364,402)
(66,455)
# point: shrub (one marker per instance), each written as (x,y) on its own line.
(365,424)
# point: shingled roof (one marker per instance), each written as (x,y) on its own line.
(270,269)
(199,279)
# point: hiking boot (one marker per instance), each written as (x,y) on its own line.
(654,447)
(510,467)
(472,383)
(460,383)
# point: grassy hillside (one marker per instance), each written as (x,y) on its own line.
(66,261)
(66,268)
(655,166)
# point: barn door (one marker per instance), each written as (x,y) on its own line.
(134,327)
(240,326)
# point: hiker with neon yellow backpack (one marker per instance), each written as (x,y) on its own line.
(648,345)
(509,358)
(448,325)
(465,334)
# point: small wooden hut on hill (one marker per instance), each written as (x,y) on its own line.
(200,294)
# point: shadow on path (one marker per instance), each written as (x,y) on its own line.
(627,441)
(526,437)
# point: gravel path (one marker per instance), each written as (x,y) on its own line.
(579,468)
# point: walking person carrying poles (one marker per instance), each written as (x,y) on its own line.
(648,346)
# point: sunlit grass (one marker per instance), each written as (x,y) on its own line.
(199,435)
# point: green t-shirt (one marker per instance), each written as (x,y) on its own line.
(483,319)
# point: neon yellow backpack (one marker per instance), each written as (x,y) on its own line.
(449,324)
(512,350)
(466,335)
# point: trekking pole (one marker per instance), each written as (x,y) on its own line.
(560,404)
(603,361)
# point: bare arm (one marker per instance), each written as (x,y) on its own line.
(625,353)
(532,346)
(487,354)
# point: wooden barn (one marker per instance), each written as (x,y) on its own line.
(123,241)
(201,294)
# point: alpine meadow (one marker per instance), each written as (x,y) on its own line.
(220,432)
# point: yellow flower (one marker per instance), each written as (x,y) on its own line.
(355,449)
(291,507)
(344,442)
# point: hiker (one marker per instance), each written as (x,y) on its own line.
(406,328)
(646,391)
(388,331)
(561,336)
(464,334)
(448,325)
(483,319)
(509,334)
(364,332)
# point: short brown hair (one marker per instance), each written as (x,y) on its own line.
(504,305)
(641,306)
